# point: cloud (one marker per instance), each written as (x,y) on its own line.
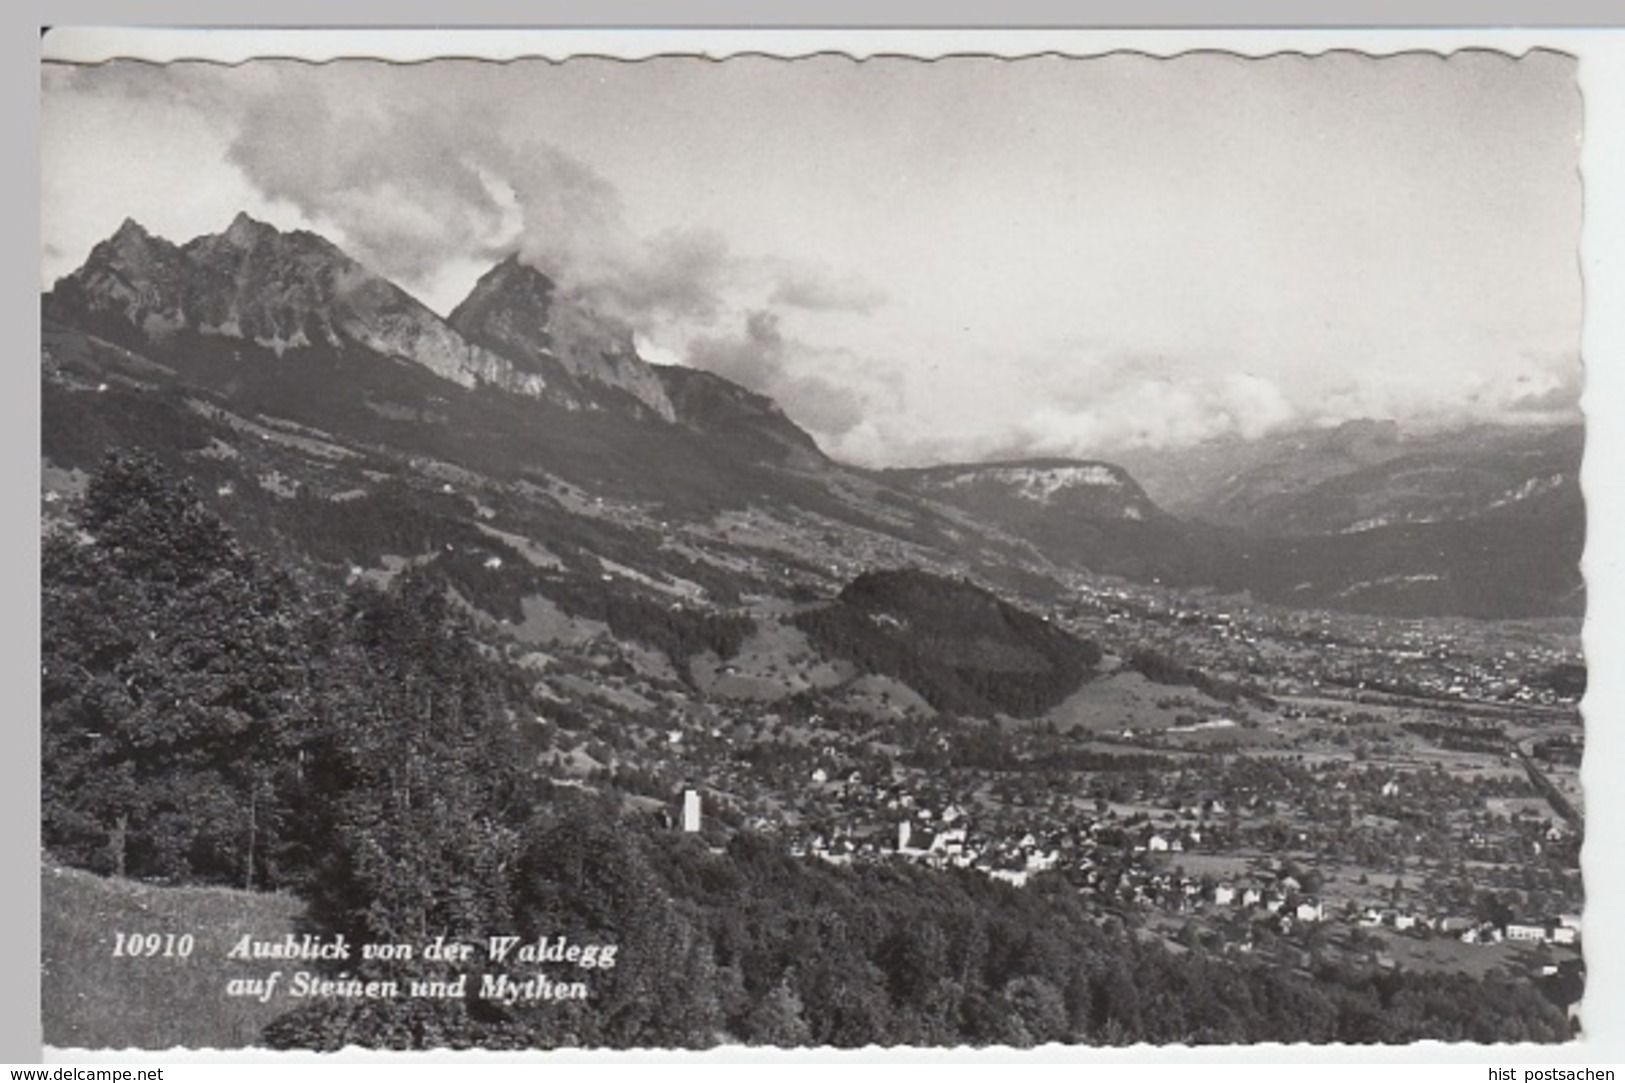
(1085,399)
(1341,258)
(413,184)
(764,360)
(680,273)
(1548,392)
(409,187)
(816,290)
(138,83)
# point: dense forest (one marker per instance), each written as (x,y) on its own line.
(209,718)
(1160,669)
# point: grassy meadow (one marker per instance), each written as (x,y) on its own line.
(91,999)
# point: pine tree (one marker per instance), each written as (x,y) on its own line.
(172,687)
(778,1019)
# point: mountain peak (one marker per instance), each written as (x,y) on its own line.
(510,309)
(130,229)
(130,275)
(132,242)
(512,266)
(517,311)
(246,231)
(519,290)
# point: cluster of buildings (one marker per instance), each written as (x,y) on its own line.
(1437,659)
(841,787)
(1561,930)
(1125,863)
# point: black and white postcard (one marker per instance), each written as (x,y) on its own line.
(792,547)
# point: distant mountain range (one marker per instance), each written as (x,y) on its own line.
(319,402)
(1362,474)
(1484,520)
(1080,514)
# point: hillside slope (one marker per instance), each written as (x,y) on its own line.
(89,998)
(960,647)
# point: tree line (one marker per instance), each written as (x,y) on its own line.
(208,718)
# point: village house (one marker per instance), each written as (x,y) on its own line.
(951,841)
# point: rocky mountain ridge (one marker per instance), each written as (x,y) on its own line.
(588,359)
(524,384)
(289,290)
(1102,489)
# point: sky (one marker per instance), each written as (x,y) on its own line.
(924,262)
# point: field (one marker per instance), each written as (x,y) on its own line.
(1449,954)
(1125,700)
(90,999)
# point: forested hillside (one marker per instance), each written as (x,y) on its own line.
(960,646)
(211,719)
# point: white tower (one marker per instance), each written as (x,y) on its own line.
(691,811)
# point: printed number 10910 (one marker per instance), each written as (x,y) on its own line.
(152,945)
